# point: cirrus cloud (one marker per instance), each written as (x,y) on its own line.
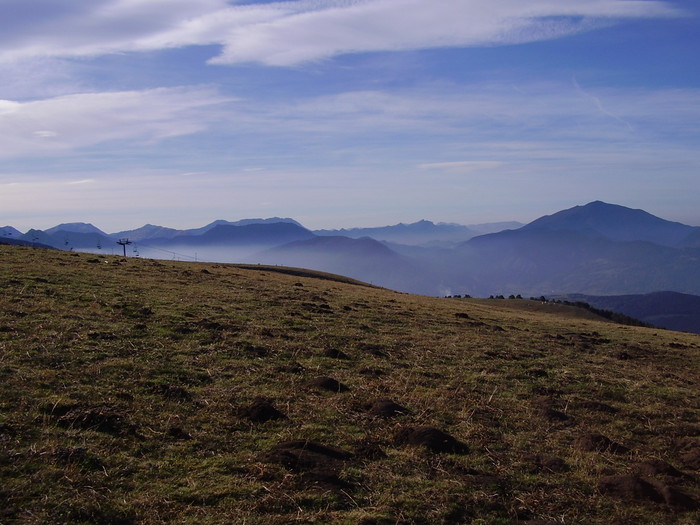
(294,32)
(76,121)
(395,25)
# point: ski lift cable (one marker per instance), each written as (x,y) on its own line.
(171,252)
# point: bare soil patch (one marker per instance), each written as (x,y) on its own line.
(327,384)
(595,442)
(314,461)
(386,408)
(430,438)
(260,410)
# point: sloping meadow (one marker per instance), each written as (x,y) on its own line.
(139,391)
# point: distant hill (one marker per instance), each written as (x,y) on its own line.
(151,231)
(34,236)
(147,231)
(19,242)
(417,233)
(9,231)
(255,234)
(616,223)
(243,222)
(75,227)
(494,227)
(88,238)
(269,220)
(672,310)
(365,259)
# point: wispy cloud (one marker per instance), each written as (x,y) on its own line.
(402,125)
(393,25)
(294,32)
(463,166)
(76,121)
(556,111)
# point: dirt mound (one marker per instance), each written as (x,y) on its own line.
(250,349)
(386,408)
(369,451)
(674,497)
(431,438)
(327,383)
(172,392)
(101,418)
(327,478)
(371,372)
(179,434)
(291,368)
(631,487)
(550,464)
(334,353)
(544,407)
(260,410)
(689,453)
(315,462)
(657,467)
(376,350)
(594,442)
(301,455)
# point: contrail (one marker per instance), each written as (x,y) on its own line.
(599,104)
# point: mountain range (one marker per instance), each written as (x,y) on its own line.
(597,249)
(422,233)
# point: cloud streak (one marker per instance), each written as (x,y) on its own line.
(397,25)
(71,122)
(360,124)
(463,166)
(558,111)
(295,32)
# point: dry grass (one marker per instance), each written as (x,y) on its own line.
(124,383)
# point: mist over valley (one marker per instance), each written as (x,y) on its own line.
(597,249)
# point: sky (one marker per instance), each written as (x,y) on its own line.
(345,113)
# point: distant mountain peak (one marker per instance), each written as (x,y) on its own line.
(147,231)
(75,227)
(242,222)
(269,220)
(9,231)
(614,222)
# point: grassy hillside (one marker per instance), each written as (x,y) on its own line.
(135,391)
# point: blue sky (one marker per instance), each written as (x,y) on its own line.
(343,113)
